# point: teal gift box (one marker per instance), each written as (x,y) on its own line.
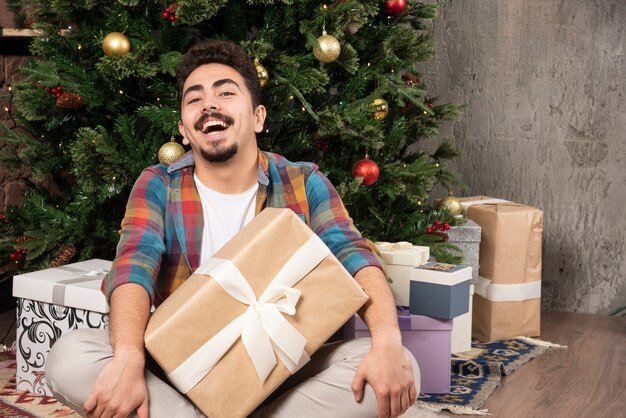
(439,290)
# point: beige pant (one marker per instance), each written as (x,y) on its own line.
(322,388)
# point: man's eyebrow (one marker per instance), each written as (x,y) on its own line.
(195,87)
(223,81)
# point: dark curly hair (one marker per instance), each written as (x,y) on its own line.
(213,51)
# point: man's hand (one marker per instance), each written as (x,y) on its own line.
(390,373)
(387,367)
(120,388)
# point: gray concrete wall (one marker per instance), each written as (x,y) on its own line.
(545,125)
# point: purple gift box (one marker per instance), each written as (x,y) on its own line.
(429,341)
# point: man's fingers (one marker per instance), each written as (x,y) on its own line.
(412,394)
(405,401)
(142,411)
(90,403)
(383,405)
(396,403)
(358,385)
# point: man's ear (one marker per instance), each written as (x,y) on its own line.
(259,114)
(181,130)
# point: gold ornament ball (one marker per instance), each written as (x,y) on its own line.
(452,205)
(379,109)
(329,48)
(261,71)
(170,152)
(115,43)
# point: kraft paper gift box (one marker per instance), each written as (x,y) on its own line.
(399,258)
(507,300)
(439,290)
(462,328)
(50,303)
(194,335)
(429,341)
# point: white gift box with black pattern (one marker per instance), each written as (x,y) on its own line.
(50,303)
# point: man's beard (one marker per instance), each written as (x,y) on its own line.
(220,156)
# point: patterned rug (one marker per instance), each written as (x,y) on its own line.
(475,376)
(476,373)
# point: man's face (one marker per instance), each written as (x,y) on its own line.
(217,117)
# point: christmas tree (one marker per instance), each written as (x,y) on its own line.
(341,83)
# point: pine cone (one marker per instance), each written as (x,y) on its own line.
(69,101)
(63,256)
(21,238)
(443,235)
(173,7)
(410,79)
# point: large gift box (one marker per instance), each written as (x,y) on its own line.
(275,285)
(467,238)
(50,303)
(400,258)
(429,341)
(440,290)
(507,301)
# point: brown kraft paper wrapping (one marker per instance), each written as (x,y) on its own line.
(510,253)
(493,321)
(200,308)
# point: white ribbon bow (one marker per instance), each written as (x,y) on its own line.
(262,327)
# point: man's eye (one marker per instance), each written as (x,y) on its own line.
(226,93)
(195,99)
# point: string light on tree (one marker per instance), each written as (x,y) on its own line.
(116,43)
(367,169)
(170,151)
(329,48)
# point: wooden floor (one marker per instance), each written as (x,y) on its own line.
(586,380)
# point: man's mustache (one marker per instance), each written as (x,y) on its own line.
(212,115)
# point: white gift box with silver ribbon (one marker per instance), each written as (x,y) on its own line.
(50,303)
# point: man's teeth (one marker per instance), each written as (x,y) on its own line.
(211,123)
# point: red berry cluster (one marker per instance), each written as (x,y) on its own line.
(57,91)
(3,217)
(169,14)
(441,226)
(430,105)
(18,254)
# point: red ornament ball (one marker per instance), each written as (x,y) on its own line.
(395,7)
(367,169)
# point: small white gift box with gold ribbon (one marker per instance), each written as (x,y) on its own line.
(400,258)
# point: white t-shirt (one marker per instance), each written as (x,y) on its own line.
(224,216)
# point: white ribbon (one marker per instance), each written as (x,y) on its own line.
(262,327)
(508,292)
(465,205)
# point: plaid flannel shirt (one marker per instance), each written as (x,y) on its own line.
(161,233)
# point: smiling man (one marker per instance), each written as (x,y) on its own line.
(180,215)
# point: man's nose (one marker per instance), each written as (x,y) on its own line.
(210,103)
